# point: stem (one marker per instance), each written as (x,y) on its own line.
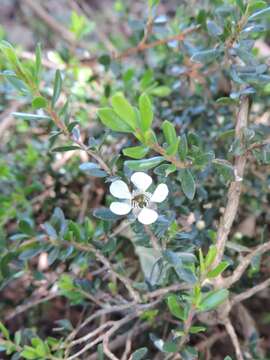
(235,188)
(55,118)
(187,326)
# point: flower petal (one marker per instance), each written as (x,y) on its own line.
(141,180)
(160,193)
(147,216)
(120,190)
(120,208)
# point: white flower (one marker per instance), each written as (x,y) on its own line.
(141,202)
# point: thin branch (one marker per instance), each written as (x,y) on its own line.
(90,248)
(210,341)
(166,290)
(144,46)
(102,312)
(231,332)
(250,292)
(235,188)
(120,340)
(64,129)
(30,304)
(245,262)
(110,333)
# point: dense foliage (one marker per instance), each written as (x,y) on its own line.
(134,217)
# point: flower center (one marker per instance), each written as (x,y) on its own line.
(140,200)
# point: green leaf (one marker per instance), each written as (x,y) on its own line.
(111,120)
(201,259)
(139,354)
(213,299)
(260,13)
(205,56)
(92,169)
(170,347)
(105,214)
(29,353)
(224,169)
(256,5)
(136,152)
(169,132)
(152,3)
(57,87)
(172,149)
(214,29)
(146,164)
(105,60)
(226,101)
(241,5)
(175,308)
(26,227)
(203,159)
(39,102)
(124,110)
(218,270)
(25,116)
(161,91)
(66,148)
(146,112)
(187,183)
(197,329)
(4,331)
(183,148)
(211,255)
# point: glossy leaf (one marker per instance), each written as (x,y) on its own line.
(92,169)
(169,132)
(183,148)
(39,102)
(213,299)
(260,13)
(145,164)
(136,152)
(146,112)
(218,270)
(175,308)
(124,110)
(57,87)
(139,354)
(187,183)
(211,255)
(213,28)
(26,116)
(205,56)
(111,120)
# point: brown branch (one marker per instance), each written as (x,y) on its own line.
(144,46)
(30,304)
(210,341)
(235,188)
(250,292)
(53,24)
(231,332)
(120,340)
(99,256)
(173,159)
(64,129)
(166,290)
(110,333)
(245,262)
